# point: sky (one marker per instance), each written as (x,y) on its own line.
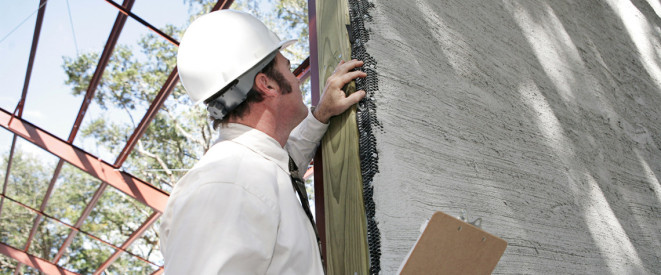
(70,27)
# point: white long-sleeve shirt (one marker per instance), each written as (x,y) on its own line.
(236,211)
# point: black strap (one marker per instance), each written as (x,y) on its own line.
(299,187)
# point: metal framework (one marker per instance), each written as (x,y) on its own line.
(108,174)
(320,213)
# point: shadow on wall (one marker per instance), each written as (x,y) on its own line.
(602,106)
(541,116)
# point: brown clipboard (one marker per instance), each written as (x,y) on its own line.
(451,246)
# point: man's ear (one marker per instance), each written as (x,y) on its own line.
(265,85)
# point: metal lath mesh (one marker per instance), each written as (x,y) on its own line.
(366,120)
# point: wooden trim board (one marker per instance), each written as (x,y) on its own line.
(346,229)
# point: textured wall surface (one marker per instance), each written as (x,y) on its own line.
(541,117)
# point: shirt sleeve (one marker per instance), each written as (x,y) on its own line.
(303,141)
(221,229)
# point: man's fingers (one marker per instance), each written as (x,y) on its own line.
(355,97)
(339,81)
(346,66)
(343,72)
(346,78)
(333,100)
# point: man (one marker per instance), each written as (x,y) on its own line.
(237,211)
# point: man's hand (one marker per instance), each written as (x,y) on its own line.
(333,101)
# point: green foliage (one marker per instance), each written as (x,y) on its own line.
(85,255)
(294,13)
(7,265)
(79,71)
(107,133)
(27,184)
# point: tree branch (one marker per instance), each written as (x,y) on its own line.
(141,150)
(182,131)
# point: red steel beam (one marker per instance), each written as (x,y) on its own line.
(125,182)
(134,236)
(309,172)
(33,261)
(126,11)
(303,71)
(9,161)
(222,5)
(159,271)
(316,93)
(33,52)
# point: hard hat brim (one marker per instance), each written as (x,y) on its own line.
(286,43)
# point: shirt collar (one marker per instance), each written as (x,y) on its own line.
(257,141)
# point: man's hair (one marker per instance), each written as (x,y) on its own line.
(254,96)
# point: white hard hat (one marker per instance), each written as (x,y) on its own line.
(221,53)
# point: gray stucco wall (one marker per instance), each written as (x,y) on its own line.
(541,117)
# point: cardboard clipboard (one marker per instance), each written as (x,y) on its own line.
(451,246)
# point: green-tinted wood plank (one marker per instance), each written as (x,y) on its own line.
(346,232)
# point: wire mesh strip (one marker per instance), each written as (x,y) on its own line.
(366,120)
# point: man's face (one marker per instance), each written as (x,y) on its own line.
(293,108)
